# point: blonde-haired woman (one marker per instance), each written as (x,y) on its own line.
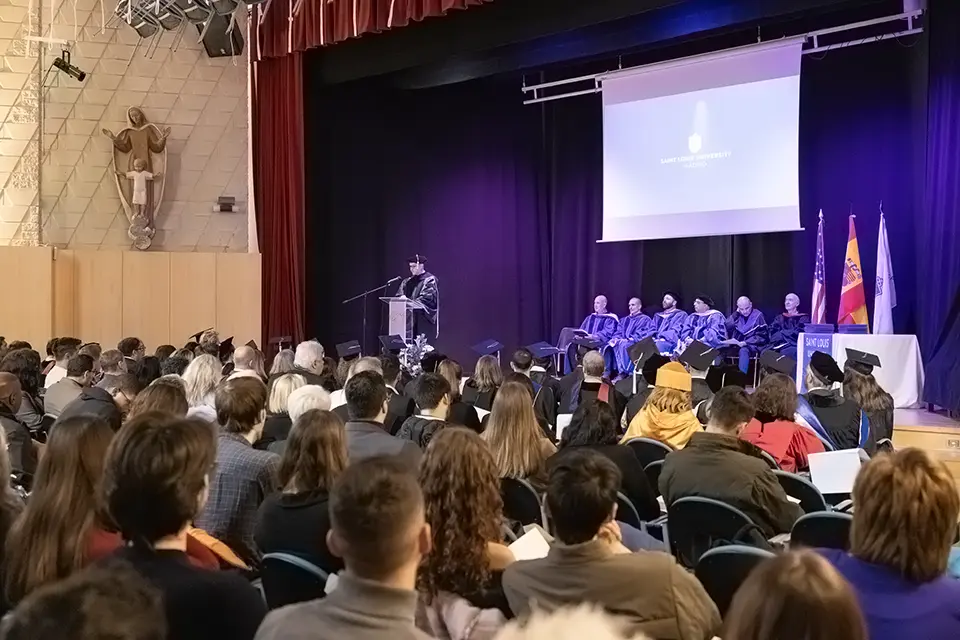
(481,388)
(668,413)
(277,425)
(516,440)
(200,380)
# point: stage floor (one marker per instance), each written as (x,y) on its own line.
(937,433)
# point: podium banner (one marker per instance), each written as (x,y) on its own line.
(811,342)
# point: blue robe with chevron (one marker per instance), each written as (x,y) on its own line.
(669,326)
(601,325)
(631,330)
(708,327)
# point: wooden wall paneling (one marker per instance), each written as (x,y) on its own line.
(99,296)
(64,293)
(146,297)
(238,296)
(28,288)
(193,299)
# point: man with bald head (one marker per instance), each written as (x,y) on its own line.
(592,386)
(20,447)
(747,331)
(631,330)
(245,363)
(786,327)
(597,329)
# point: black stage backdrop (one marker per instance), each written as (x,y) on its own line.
(506,201)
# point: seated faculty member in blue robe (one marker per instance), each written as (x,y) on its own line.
(747,331)
(785,328)
(631,330)
(705,324)
(669,323)
(598,327)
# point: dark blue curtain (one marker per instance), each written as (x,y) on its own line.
(506,201)
(938,222)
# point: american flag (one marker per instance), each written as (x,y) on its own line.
(818,309)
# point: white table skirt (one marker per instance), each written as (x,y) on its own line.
(901,370)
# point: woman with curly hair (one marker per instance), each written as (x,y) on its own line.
(773,428)
(481,389)
(516,440)
(860,385)
(461,495)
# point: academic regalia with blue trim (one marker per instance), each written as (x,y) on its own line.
(708,327)
(669,326)
(631,330)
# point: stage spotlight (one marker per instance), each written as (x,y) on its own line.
(63,64)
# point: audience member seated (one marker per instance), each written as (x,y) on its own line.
(461,413)
(786,327)
(63,350)
(297,519)
(308,361)
(569,623)
(705,324)
(747,331)
(592,386)
(338,399)
(156,478)
(378,528)
(209,343)
(544,401)
(306,398)
(54,536)
(162,397)
(68,388)
(481,389)
(244,476)
(148,370)
(133,350)
(248,362)
(645,386)
(282,363)
(11,505)
(278,423)
(795,596)
(112,365)
(698,358)
(718,464)
(173,366)
(399,406)
(110,404)
(668,413)
(22,451)
(25,364)
(433,400)
(428,364)
(903,526)
(594,427)
(164,351)
(519,448)
(461,492)
(860,386)
(185,353)
(366,394)
(110,601)
(773,428)
(588,563)
(839,422)
(201,378)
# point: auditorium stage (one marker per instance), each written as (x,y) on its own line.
(935,432)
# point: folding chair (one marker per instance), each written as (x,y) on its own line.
(722,570)
(823,529)
(288,579)
(627,511)
(696,525)
(521,502)
(648,450)
(811,500)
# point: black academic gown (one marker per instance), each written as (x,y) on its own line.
(840,417)
(423,289)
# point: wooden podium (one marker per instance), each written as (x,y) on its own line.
(400,316)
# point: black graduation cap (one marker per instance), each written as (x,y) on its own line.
(196,337)
(826,367)
(393,344)
(774,361)
(541,350)
(639,352)
(698,355)
(586,342)
(348,350)
(651,365)
(253,344)
(728,375)
(488,347)
(417,259)
(226,348)
(861,361)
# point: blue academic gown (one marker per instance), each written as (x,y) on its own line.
(752,330)
(600,325)
(785,332)
(709,328)
(631,330)
(669,326)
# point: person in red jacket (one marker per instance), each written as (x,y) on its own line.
(773,428)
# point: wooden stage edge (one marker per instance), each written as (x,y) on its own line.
(933,432)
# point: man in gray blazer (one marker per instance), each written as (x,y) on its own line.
(366,395)
(61,393)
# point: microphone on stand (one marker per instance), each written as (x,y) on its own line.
(394,280)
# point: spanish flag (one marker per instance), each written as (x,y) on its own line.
(853,303)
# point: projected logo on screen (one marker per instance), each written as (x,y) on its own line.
(696,159)
(694,143)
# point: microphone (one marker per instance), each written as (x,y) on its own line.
(394,280)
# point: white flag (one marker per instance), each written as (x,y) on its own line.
(886,294)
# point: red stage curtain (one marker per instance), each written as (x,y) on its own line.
(325,22)
(279,193)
